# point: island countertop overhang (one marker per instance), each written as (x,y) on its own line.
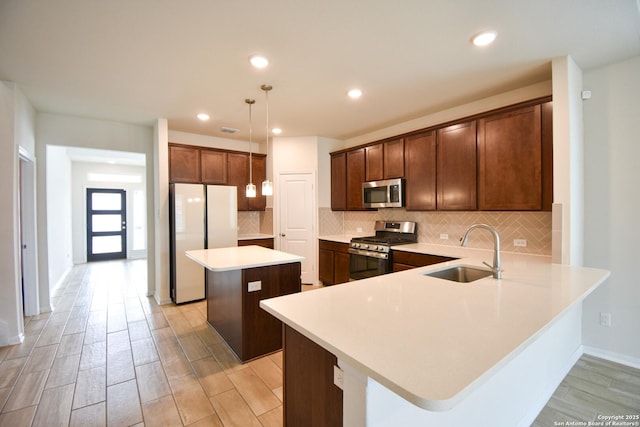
(429,340)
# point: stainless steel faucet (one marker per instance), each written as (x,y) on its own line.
(496,269)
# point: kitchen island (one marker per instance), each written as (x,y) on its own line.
(238,278)
(417,350)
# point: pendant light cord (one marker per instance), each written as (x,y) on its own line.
(250,102)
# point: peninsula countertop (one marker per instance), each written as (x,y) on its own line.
(430,340)
(240,257)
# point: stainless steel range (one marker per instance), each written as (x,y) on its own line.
(371,256)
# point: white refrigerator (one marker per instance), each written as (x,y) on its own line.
(201,217)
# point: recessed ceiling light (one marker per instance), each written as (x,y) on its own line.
(203,116)
(354,93)
(276,131)
(484,38)
(258,61)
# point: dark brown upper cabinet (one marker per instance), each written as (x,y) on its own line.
(259,165)
(374,162)
(213,166)
(420,171)
(339,181)
(355,178)
(456,167)
(394,159)
(184,164)
(510,160)
(385,160)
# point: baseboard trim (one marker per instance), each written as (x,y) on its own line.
(611,356)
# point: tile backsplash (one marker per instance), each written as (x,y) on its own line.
(254,222)
(534,227)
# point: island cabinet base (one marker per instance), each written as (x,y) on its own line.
(235,313)
(310,396)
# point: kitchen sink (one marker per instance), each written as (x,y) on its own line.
(460,273)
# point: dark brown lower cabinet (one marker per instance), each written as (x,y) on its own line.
(311,398)
(266,243)
(236,314)
(407,260)
(333,260)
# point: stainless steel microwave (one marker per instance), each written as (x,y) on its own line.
(388,193)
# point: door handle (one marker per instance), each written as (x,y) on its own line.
(283,235)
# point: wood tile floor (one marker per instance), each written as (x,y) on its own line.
(592,389)
(109,355)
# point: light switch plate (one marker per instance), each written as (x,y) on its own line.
(255,286)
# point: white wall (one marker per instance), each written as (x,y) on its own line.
(501,100)
(178,137)
(568,159)
(612,206)
(59,214)
(61,130)
(11,323)
(79,185)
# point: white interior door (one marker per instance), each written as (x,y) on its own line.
(297,220)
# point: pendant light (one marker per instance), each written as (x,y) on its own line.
(267,186)
(250,190)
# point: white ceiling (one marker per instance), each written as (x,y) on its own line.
(135,61)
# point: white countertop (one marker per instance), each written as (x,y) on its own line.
(254,236)
(433,341)
(240,257)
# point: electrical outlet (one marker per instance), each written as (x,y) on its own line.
(444,236)
(605,319)
(255,286)
(358,229)
(338,377)
(520,243)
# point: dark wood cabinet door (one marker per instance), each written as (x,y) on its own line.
(238,172)
(394,159)
(546,111)
(213,166)
(326,266)
(510,161)
(310,396)
(339,182)
(265,243)
(259,172)
(375,162)
(456,167)
(355,178)
(420,171)
(184,164)
(341,266)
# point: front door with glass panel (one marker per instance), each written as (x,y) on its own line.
(106,224)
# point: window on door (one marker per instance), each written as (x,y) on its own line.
(106,224)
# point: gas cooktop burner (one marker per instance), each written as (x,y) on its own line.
(388,233)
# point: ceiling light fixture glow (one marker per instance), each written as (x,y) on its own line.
(276,131)
(258,61)
(203,117)
(484,38)
(354,93)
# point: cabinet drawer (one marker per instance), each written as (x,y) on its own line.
(334,246)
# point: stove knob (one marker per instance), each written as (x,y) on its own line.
(365,246)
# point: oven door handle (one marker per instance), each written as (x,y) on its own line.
(378,255)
